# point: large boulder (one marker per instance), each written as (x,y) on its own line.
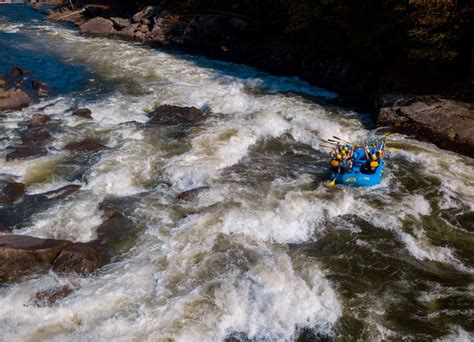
(21,254)
(11,191)
(13,99)
(98,27)
(174,115)
(447,123)
(22,152)
(79,258)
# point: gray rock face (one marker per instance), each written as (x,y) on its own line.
(447,123)
(20,254)
(98,27)
(13,99)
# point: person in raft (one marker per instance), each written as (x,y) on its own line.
(373,156)
(341,161)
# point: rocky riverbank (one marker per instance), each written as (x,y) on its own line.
(236,38)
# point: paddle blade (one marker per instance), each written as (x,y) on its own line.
(332,183)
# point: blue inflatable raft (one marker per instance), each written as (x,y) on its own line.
(356,177)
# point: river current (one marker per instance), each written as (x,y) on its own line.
(266,252)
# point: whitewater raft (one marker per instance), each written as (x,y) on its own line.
(357,177)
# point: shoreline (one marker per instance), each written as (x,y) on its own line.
(444,117)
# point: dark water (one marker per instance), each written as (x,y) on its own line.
(266,252)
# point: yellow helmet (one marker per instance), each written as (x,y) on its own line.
(343,152)
(345,148)
(339,156)
(374,157)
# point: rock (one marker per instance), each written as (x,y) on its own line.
(3,83)
(36,135)
(129,31)
(17,71)
(146,13)
(4,228)
(61,192)
(79,258)
(209,28)
(41,88)
(51,296)
(38,120)
(83,113)
(120,23)
(94,10)
(64,14)
(85,145)
(21,152)
(98,27)
(190,195)
(173,115)
(13,99)
(117,235)
(11,191)
(111,208)
(447,123)
(21,254)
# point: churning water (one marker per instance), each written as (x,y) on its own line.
(266,252)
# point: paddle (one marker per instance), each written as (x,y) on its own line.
(345,141)
(332,183)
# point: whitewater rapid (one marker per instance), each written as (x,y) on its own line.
(223,264)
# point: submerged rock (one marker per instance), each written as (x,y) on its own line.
(98,26)
(37,135)
(17,71)
(85,145)
(51,296)
(79,258)
(83,113)
(13,99)
(38,120)
(21,254)
(190,195)
(61,192)
(174,115)
(22,152)
(447,123)
(11,191)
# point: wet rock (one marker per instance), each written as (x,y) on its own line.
(117,235)
(111,208)
(38,120)
(174,115)
(4,228)
(98,26)
(85,145)
(83,113)
(3,83)
(11,191)
(61,193)
(22,152)
(79,258)
(146,13)
(42,89)
(21,254)
(51,296)
(190,195)
(65,14)
(13,99)
(36,135)
(447,123)
(120,23)
(17,71)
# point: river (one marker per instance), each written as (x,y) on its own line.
(266,252)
